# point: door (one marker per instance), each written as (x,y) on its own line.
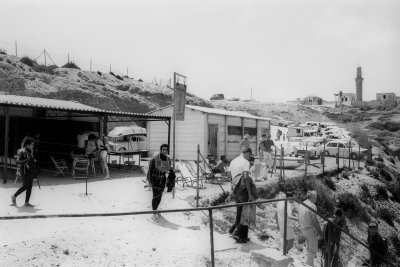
(213,140)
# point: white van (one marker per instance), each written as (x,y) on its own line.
(128,138)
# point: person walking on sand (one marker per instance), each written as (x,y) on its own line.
(310,227)
(27,169)
(265,150)
(241,192)
(159,165)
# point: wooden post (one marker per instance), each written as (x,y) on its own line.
(257,140)
(305,161)
(323,161)
(105,122)
(6,132)
(169,135)
(280,164)
(211,237)
(198,175)
(226,136)
(349,153)
(242,127)
(285,229)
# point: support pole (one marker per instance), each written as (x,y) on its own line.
(174,133)
(257,139)
(226,136)
(6,132)
(359,154)
(198,175)
(169,135)
(323,161)
(285,229)
(349,153)
(305,161)
(280,164)
(211,237)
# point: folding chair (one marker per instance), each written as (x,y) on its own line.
(193,179)
(61,166)
(80,168)
(180,178)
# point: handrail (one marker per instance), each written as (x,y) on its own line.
(210,209)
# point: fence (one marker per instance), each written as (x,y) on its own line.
(210,215)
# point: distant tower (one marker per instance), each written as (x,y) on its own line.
(359,80)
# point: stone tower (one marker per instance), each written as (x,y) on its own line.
(359,80)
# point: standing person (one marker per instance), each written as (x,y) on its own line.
(159,165)
(332,236)
(82,139)
(245,142)
(377,244)
(28,135)
(27,169)
(241,192)
(102,145)
(280,218)
(265,149)
(310,227)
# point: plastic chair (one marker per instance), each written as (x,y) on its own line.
(61,166)
(80,168)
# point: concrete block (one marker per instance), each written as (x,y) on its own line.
(270,258)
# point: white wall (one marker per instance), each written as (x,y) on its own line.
(190,132)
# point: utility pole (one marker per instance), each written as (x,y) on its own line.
(127,72)
(251,95)
(110,68)
(16,49)
(90,64)
(68,58)
(44,53)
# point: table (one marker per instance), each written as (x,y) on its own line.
(126,154)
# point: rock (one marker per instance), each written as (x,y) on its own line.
(271,258)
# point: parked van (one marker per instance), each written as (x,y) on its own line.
(128,138)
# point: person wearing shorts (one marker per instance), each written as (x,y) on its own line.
(265,150)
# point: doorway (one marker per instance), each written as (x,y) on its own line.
(213,140)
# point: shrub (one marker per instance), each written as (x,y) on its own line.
(119,77)
(123,87)
(8,61)
(140,80)
(385,174)
(386,215)
(269,191)
(28,61)
(112,73)
(330,183)
(381,193)
(220,199)
(392,160)
(71,65)
(395,190)
(99,73)
(1,59)
(394,238)
(352,207)
(3,52)
(45,69)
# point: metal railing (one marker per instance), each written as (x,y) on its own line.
(210,210)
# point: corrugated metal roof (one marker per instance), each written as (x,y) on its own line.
(226,112)
(217,111)
(38,102)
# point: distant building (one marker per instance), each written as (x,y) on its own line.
(312,100)
(359,80)
(390,97)
(346,99)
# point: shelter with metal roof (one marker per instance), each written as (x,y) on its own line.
(217,131)
(58,122)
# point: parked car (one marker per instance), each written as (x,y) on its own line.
(313,146)
(128,138)
(342,146)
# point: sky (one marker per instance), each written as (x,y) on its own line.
(279,50)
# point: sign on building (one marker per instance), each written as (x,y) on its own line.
(180,101)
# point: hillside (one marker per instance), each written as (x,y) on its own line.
(277,112)
(101,90)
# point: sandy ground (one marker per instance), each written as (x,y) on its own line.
(182,239)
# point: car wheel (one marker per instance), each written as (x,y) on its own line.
(327,153)
(122,149)
(353,156)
